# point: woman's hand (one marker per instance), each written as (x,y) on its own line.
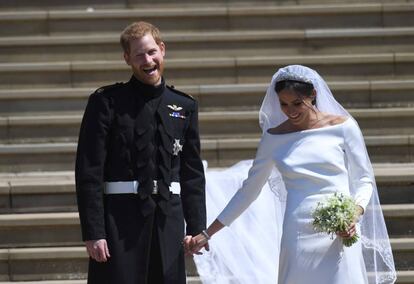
(348,233)
(351,231)
(198,242)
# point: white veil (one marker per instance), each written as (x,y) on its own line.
(247,251)
(225,259)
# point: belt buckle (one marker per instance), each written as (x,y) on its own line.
(155,187)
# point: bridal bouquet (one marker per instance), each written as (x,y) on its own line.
(336,215)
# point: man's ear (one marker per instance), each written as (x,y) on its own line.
(127,58)
(162,48)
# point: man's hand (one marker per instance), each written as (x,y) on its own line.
(193,245)
(98,250)
(187,245)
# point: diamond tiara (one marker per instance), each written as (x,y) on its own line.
(289,76)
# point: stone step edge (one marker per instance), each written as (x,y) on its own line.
(405,276)
(206,89)
(71,118)
(206,63)
(72,218)
(206,144)
(228,11)
(402,277)
(47,282)
(190,280)
(46,177)
(404,244)
(213,36)
(68,174)
(66,184)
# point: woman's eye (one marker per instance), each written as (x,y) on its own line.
(297,104)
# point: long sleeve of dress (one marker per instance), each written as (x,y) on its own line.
(359,166)
(252,186)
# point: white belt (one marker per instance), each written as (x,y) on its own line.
(122,187)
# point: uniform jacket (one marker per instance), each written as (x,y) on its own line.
(115,144)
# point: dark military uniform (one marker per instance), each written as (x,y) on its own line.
(137,132)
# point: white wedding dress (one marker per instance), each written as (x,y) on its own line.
(313,164)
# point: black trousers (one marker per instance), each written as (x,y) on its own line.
(135,244)
(155,271)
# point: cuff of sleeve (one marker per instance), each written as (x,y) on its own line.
(88,236)
(363,196)
(363,203)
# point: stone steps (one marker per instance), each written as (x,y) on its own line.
(224,70)
(53,263)
(190,280)
(213,97)
(217,43)
(55,191)
(63,229)
(62,263)
(218,151)
(405,277)
(52,194)
(47,282)
(61,127)
(212,18)
(23,5)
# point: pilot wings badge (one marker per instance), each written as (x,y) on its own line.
(175,107)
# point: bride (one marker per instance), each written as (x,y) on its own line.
(310,149)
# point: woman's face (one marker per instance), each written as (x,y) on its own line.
(297,108)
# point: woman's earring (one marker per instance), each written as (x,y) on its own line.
(314,101)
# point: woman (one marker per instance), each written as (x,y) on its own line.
(317,148)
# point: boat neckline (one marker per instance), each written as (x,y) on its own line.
(309,130)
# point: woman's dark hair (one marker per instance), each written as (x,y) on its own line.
(301,88)
(304,89)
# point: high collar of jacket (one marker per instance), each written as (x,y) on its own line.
(147,91)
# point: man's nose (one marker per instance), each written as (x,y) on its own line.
(147,58)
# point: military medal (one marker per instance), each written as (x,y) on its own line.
(177,147)
(176,111)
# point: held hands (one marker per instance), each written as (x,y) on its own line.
(98,250)
(193,245)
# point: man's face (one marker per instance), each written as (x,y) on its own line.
(146,59)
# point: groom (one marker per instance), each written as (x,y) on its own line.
(139,172)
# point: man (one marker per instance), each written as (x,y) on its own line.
(139,172)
